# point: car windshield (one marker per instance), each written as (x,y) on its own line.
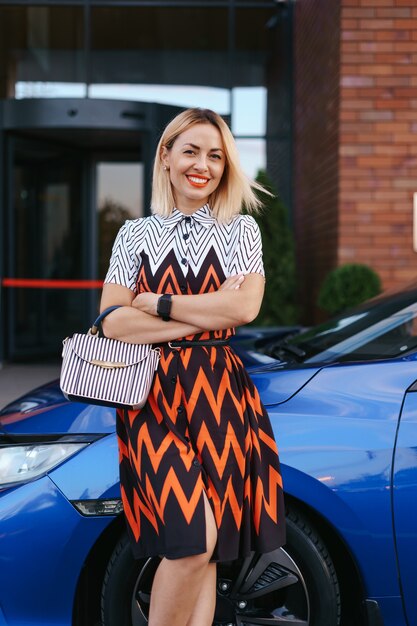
(383,327)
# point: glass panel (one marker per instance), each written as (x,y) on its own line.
(41,52)
(252,155)
(263,83)
(249,111)
(152,54)
(47,244)
(119,198)
(252,57)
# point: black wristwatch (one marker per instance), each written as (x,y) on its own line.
(163,307)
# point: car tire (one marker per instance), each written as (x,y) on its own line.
(310,596)
(308,550)
(119,582)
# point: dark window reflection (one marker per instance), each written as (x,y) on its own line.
(47,244)
(40,44)
(160,46)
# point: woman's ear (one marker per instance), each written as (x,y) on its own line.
(164,156)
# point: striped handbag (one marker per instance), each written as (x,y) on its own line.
(109,372)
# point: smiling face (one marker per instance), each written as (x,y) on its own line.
(196,164)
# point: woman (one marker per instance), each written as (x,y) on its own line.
(199,466)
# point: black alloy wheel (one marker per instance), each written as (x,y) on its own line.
(294,586)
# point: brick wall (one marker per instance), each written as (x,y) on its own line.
(355,154)
(316,126)
(378,125)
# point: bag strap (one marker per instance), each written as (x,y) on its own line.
(94,329)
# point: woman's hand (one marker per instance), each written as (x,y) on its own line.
(147,302)
(233,282)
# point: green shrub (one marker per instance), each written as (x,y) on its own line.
(278,306)
(348,285)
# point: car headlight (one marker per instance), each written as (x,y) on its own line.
(21,463)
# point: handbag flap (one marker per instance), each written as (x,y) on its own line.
(108,352)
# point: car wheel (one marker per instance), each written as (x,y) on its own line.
(294,585)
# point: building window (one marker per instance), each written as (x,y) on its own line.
(42,52)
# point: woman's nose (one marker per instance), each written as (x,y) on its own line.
(201,164)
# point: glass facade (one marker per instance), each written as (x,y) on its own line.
(232,56)
(194,55)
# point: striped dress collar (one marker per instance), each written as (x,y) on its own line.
(203,216)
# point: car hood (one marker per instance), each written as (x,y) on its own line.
(45,410)
(277,383)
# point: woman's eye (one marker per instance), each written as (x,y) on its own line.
(216,156)
(188,151)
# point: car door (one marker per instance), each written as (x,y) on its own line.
(404,494)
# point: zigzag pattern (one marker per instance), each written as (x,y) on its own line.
(203,428)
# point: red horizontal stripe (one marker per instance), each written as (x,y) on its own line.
(40,283)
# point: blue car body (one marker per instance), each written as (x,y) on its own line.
(347,436)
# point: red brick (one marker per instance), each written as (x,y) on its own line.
(408,71)
(406,24)
(357,58)
(374,3)
(354,172)
(374,138)
(361,12)
(376,115)
(392,58)
(362,104)
(375,70)
(346,93)
(406,115)
(393,104)
(357,81)
(376,46)
(397,12)
(405,183)
(391,127)
(375,24)
(404,46)
(407,92)
(357,35)
(405,274)
(392,35)
(377,92)
(392,149)
(377,161)
(389,195)
(393,81)
(373,206)
(354,150)
(350,46)
(373,183)
(402,137)
(348,116)
(349,24)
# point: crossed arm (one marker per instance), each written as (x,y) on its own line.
(236,302)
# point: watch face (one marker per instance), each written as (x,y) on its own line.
(164,306)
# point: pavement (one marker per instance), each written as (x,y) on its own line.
(18,378)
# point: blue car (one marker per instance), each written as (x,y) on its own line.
(342,399)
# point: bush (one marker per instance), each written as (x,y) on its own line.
(347,286)
(278,306)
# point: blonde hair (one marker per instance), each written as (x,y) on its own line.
(235,189)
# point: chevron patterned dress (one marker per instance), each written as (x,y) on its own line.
(203,428)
